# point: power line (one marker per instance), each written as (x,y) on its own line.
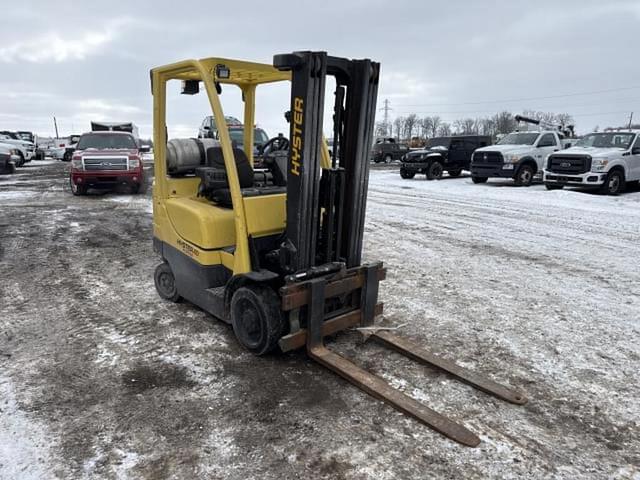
(595,92)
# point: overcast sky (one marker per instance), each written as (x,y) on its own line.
(90,60)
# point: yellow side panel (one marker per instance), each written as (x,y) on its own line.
(201,223)
(266,214)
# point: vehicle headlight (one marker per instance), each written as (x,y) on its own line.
(76,163)
(134,163)
(599,164)
(511,158)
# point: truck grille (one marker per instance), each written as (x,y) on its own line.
(569,164)
(105,163)
(487,158)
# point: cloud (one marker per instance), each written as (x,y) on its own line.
(103,106)
(53,47)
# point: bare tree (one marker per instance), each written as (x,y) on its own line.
(425,127)
(398,123)
(444,130)
(504,122)
(487,126)
(381,129)
(435,123)
(564,119)
(410,123)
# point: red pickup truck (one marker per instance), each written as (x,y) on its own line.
(105,160)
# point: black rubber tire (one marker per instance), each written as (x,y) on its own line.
(455,173)
(166,283)
(388,158)
(479,179)
(435,171)
(524,176)
(135,188)
(406,174)
(256,318)
(614,184)
(21,162)
(77,190)
(549,186)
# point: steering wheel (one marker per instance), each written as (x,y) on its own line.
(275,144)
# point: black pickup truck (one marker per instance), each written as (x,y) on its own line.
(387,150)
(450,154)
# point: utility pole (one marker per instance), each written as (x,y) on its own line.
(386,110)
(55,125)
(630,118)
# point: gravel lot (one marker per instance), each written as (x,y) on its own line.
(100,378)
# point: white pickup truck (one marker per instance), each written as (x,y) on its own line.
(26,150)
(606,161)
(519,155)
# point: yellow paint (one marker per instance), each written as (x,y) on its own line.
(193,225)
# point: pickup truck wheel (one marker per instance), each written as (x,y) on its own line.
(135,189)
(407,174)
(553,187)
(256,318)
(166,283)
(21,161)
(388,159)
(435,171)
(479,179)
(524,177)
(78,190)
(614,184)
(455,173)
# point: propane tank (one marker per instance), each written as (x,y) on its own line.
(186,154)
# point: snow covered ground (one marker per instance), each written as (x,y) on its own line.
(540,290)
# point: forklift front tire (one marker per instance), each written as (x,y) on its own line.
(166,283)
(256,318)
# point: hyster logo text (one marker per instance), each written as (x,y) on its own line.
(296,144)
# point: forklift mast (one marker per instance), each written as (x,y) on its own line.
(326,207)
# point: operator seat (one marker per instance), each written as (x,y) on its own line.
(214,183)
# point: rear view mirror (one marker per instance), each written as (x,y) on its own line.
(145,148)
(635,151)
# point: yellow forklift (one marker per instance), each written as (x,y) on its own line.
(276,251)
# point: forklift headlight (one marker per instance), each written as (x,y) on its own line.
(222,71)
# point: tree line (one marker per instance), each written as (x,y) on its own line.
(414,127)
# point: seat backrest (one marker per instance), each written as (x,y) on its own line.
(215,159)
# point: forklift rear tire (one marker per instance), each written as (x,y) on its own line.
(256,318)
(435,171)
(166,283)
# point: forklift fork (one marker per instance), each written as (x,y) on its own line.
(314,293)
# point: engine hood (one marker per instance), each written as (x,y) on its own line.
(94,152)
(427,151)
(19,143)
(593,151)
(507,149)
